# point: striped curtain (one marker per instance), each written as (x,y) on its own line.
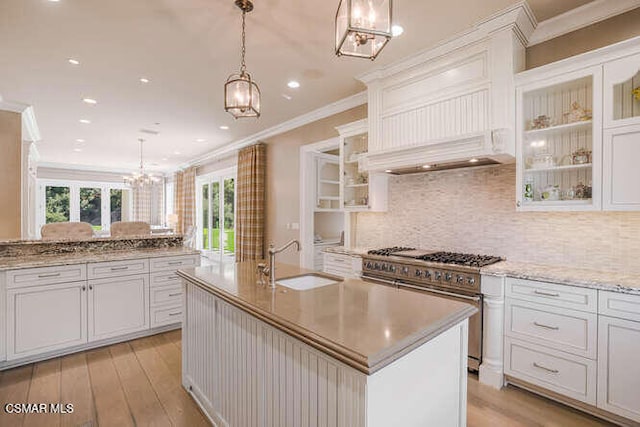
(184,199)
(148,204)
(250,203)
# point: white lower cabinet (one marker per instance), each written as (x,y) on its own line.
(559,339)
(118,306)
(618,367)
(45,318)
(342,265)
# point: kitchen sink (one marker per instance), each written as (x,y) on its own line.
(308,281)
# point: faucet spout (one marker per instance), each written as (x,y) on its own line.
(272,259)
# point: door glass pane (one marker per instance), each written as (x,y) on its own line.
(229,215)
(116,205)
(215,216)
(205,217)
(91,207)
(57,204)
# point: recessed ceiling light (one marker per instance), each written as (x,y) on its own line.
(287,97)
(177,153)
(89,101)
(164,159)
(293,84)
(77,150)
(201,140)
(426,167)
(223,127)
(73,61)
(85,121)
(473,161)
(80,140)
(397,30)
(144,80)
(388,171)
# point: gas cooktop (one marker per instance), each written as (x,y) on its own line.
(469,260)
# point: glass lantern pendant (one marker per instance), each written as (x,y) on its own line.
(363,27)
(241,93)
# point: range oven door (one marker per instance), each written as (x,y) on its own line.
(475,321)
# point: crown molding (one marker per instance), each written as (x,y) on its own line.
(580,17)
(304,119)
(98,169)
(30,129)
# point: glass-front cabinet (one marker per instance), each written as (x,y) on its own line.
(359,190)
(559,142)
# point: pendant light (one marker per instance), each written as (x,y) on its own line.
(241,93)
(363,27)
(141,179)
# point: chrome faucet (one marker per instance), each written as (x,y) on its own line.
(271,270)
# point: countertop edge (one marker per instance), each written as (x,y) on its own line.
(52,261)
(364,364)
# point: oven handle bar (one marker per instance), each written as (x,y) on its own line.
(420,288)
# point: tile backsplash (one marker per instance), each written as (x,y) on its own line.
(473,210)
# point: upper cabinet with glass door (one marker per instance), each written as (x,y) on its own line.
(622,92)
(559,142)
(359,190)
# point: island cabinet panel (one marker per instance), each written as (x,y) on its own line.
(245,372)
(46,275)
(45,318)
(102,270)
(118,306)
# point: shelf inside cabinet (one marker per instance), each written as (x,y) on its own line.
(329,182)
(328,198)
(559,128)
(357,185)
(547,203)
(559,168)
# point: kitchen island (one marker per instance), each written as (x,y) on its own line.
(351,353)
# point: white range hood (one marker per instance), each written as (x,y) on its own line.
(452,105)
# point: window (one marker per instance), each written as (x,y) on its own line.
(215,204)
(98,204)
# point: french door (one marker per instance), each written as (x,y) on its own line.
(216,213)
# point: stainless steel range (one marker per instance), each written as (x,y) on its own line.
(446,274)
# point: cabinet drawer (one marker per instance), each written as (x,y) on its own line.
(565,296)
(569,375)
(165,278)
(167,295)
(338,260)
(46,275)
(166,316)
(623,306)
(102,270)
(174,263)
(567,330)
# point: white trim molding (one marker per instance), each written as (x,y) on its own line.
(304,119)
(30,129)
(580,17)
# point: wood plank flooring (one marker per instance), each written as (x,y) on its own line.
(138,383)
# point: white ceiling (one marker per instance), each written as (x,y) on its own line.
(187,48)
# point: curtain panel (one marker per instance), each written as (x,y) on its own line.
(148,204)
(185,200)
(250,203)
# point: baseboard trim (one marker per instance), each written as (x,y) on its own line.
(89,346)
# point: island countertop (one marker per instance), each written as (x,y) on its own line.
(362,324)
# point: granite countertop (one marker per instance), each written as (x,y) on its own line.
(595,279)
(92,239)
(346,251)
(12,263)
(365,325)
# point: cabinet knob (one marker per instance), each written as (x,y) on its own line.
(518,203)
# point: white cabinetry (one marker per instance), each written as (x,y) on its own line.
(621,174)
(45,318)
(327,183)
(166,289)
(349,266)
(578,130)
(359,190)
(618,349)
(118,306)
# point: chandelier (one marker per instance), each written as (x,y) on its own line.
(141,179)
(241,93)
(363,27)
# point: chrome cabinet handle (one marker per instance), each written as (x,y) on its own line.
(175,263)
(84,288)
(42,276)
(90,287)
(541,325)
(546,294)
(119,268)
(175,314)
(175,295)
(544,368)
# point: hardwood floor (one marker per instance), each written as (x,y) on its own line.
(138,383)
